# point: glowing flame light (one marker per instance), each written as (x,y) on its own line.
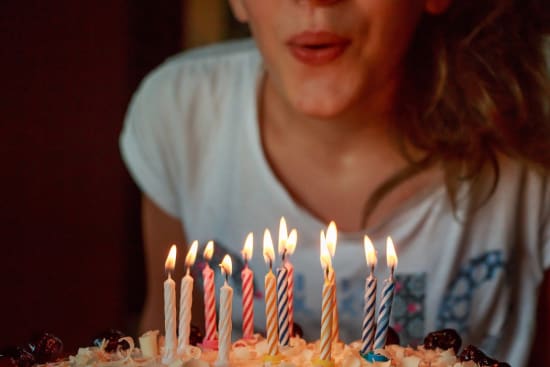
(170,263)
(192,254)
(326,262)
(208,251)
(370,252)
(269,252)
(226,265)
(391,256)
(283,236)
(248,247)
(331,238)
(291,242)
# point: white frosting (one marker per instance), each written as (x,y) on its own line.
(249,353)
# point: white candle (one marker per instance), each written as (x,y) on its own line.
(226,309)
(170,342)
(186,301)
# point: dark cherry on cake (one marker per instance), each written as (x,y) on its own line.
(16,357)
(443,339)
(112,337)
(46,348)
(297,330)
(471,353)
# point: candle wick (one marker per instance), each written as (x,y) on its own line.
(226,278)
(372,270)
(284,255)
(187,273)
(392,272)
(246,261)
(326,272)
(270,265)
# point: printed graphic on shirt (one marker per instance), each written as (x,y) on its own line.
(458,301)
(408,308)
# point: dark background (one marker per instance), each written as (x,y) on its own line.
(71,260)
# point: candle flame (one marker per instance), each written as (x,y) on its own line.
(326,262)
(370,252)
(171,259)
(332,234)
(283,236)
(208,251)
(391,256)
(269,252)
(248,247)
(291,242)
(226,265)
(192,254)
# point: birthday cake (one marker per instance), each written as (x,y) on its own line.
(440,349)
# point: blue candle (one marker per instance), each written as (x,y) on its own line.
(282,305)
(387,298)
(367,335)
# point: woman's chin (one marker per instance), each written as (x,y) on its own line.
(321,108)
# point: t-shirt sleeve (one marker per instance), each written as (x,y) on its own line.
(147,139)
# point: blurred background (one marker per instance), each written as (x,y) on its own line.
(71,259)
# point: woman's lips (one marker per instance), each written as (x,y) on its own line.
(317,48)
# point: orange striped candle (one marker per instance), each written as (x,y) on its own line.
(270,297)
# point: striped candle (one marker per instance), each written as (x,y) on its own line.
(226,309)
(186,301)
(384,313)
(170,341)
(367,334)
(247,277)
(291,242)
(282,306)
(290,270)
(335,321)
(271,312)
(209,304)
(327,305)
(327,309)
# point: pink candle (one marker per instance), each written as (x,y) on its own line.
(210,338)
(247,277)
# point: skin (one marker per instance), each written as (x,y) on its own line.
(324,123)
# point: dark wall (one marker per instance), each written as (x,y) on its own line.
(71,251)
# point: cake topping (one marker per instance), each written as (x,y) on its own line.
(443,339)
(471,353)
(112,338)
(18,356)
(46,348)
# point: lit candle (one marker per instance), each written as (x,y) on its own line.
(170,342)
(270,297)
(290,247)
(387,298)
(331,239)
(367,334)
(186,300)
(282,288)
(210,338)
(226,309)
(327,306)
(247,277)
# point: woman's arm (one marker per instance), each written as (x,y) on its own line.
(540,355)
(160,230)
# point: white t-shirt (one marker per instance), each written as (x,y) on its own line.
(191,142)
